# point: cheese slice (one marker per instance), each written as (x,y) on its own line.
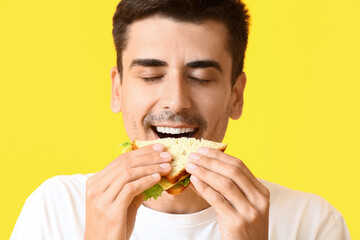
(165,184)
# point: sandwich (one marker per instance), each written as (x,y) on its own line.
(180,148)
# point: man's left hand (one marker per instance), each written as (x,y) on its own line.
(239,199)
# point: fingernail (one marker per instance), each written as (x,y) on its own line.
(158,147)
(203,150)
(194,156)
(165,165)
(165,155)
(190,165)
(194,179)
(155,175)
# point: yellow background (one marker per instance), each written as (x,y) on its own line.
(300,126)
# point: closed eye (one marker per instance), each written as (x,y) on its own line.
(199,80)
(151,79)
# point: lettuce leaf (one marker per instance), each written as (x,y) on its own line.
(125,144)
(126,147)
(156,190)
(153,192)
(185,181)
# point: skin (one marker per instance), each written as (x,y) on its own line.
(174,90)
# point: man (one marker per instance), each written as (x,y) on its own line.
(179,65)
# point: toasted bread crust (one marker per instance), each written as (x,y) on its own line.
(134,145)
(176,190)
(176,178)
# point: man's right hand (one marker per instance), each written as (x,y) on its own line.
(114,194)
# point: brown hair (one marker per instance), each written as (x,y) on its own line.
(232,13)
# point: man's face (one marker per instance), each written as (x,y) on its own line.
(176,80)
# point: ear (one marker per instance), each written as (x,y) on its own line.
(115,90)
(238,96)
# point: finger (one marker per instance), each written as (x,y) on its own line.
(132,189)
(120,173)
(150,154)
(221,156)
(221,205)
(106,176)
(132,154)
(133,174)
(224,186)
(249,190)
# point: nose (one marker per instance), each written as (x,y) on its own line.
(176,95)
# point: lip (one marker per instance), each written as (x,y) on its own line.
(172,125)
(154,133)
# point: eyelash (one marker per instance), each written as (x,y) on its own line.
(200,81)
(151,79)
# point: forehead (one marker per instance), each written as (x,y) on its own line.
(167,39)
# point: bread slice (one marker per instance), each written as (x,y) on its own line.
(180,148)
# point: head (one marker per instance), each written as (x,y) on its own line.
(179,65)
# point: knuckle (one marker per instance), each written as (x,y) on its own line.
(266,192)
(126,174)
(128,188)
(155,155)
(239,222)
(204,161)
(264,204)
(253,215)
(89,193)
(228,184)
(235,171)
(152,158)
(157,169)
(147,158)
(214,152)
(239,163)
(120,161)
(218,198)
(99,206)
(201,188)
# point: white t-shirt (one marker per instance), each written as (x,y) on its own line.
(56,210)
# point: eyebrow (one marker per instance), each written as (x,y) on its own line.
(150,62)
(147,62)
(205,64)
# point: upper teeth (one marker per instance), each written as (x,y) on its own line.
(171,130)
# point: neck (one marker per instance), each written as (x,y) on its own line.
(187,202)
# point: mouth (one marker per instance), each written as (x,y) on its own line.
(171,132)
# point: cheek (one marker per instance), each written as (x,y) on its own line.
(136,103)
(211,103)
(214,107)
